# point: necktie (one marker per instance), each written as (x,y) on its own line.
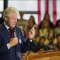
(11,32)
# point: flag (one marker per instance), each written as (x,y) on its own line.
(48,6)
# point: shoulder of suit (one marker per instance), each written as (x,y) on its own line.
(18,28)
(0,26)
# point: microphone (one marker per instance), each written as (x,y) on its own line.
(13,29)
(46,46)
(14,33)
(44,43)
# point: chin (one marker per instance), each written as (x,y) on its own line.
(13,26)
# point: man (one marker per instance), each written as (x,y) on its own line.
(57,46)
(21,22)
(11,46)
(23,57)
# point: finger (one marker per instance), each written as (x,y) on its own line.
(32,30)
(33,26)
(32,34)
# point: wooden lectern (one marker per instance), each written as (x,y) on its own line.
(45,56)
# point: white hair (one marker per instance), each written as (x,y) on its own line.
(10,11)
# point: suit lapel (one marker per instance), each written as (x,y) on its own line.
(4,29)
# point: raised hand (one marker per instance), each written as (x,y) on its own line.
(32,32)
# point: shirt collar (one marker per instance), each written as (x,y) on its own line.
(6,26)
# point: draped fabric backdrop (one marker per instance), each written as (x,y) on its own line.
(48,6)
(40,6)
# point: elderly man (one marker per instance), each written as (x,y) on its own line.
(12,44)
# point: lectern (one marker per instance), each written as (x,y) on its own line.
(55,55)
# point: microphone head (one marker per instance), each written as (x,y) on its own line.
(13,29)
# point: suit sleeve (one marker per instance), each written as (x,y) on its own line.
(25,44)
(3,48)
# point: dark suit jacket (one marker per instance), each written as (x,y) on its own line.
(14,52)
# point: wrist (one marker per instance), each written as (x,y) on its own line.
(30,39)
(10,44)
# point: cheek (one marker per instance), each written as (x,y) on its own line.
(11,22)
(8,22)
(16,21)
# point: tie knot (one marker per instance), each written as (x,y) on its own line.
(11,32)
(10,28)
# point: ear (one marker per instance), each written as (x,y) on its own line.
(6,18)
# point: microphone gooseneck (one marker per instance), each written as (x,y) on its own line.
(45,45)
(13,29)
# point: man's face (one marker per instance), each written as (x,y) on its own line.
(23,58)
(42,41)
(21,14)
(11,21)
(58,39)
